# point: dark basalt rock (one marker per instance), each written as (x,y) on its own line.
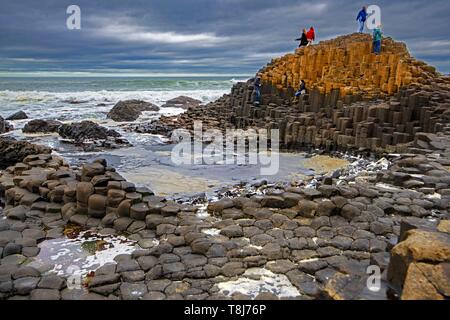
(20,115)
(130,110)
(5,126)
(182,102)
(86,130)
(13,151)
(42,126)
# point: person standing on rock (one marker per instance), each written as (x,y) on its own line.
(303,39)
(301,90)
(377,37)
(311,36)
(361,18)
(257,91)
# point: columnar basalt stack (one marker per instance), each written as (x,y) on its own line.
(348,65)
(376,125)
(356,100)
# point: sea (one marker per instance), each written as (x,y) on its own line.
(81,98)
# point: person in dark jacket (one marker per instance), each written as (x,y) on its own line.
(361,18)
(303,39)
(301,90)
(257,91)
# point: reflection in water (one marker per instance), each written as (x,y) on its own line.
(166,182)
(79,254)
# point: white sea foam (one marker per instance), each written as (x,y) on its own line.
(258,280)
(65,253)
(91,104)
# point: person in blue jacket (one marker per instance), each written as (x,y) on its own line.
(361,18)
(257,90)
(301,90)
(377,37)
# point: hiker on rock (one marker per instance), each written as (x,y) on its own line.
(257,91)
(301,90)
(361,18)
(377,37)
(311,36)
(303,39)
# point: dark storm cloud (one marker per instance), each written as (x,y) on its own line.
(203,36)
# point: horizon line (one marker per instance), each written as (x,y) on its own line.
(55,74)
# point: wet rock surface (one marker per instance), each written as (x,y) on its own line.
(85,130)
(90,135)
(41,126)
(310,239)
(13,151)
(19,115)
(130,110)
(182,102)
(323,244)
(5,126)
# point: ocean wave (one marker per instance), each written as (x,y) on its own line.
(155,96)
(88,104)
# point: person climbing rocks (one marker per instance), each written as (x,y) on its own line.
(377,37)
(311,36)
(361,18)
(303,39)
(301,90)
(256,94)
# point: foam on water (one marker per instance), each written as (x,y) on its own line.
(258,280)
(90,104)
(70,257)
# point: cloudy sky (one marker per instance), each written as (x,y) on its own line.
(234,37)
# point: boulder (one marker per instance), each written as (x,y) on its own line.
(182,102)
(42,126)
(427,282)
(418,246)
(19,115)
(130,110)
(86,130)
(5,126)
(13,151)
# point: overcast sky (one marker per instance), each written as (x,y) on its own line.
(198,36)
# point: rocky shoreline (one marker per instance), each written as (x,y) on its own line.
(322,239)
(313,239)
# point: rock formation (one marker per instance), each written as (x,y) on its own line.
(13,151)
(85,130)
(322,236)
(19,115)
(5,126)
(420,264)
(355,101)
(182,102)
(346,65)
(41,126)
(130,110)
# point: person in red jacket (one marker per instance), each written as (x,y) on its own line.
(311,35)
